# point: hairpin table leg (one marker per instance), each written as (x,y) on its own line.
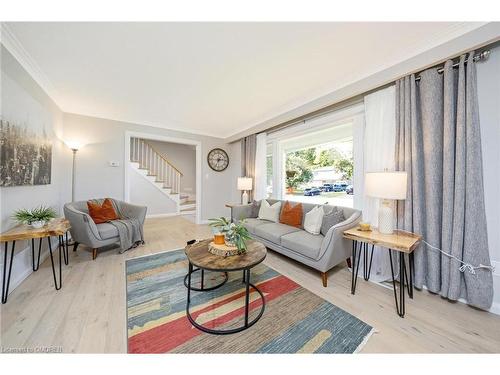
(36,265)
(5,276)
(53,266)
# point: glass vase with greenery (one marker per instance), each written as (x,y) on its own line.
(235,234)
(36,217)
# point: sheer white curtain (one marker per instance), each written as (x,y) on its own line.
(379,155)
(260,167)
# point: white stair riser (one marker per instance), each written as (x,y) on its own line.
(159,185)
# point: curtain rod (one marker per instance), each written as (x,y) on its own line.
(479,57)
(483,55)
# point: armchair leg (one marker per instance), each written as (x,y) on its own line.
(94,254)
(324,278)
(348,260)
(75,246)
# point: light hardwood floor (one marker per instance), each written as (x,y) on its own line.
(88,313)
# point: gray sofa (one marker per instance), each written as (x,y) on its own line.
(317,251)
(85,231)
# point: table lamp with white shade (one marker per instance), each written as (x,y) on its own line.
(245,184)
(387,186)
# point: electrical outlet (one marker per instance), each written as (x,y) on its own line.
(114,164)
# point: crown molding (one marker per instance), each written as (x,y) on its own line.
(14,46)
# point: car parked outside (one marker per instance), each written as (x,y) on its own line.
(349,190)
(339,186)
(327,187)
(312,191)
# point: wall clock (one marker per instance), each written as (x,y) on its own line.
(218,159)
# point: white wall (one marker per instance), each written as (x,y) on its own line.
(488,84)
(105,142)
(23,101)
(144,193)
(183,157)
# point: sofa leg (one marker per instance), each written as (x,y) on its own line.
(94,254)
(75,246)
(348,260)
(324,278)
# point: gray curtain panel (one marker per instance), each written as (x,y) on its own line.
(248,148)
(438,144)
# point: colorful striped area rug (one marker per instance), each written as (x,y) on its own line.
(294,321)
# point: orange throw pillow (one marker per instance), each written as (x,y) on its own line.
(102,214)
(291,215)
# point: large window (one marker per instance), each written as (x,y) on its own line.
(314,164)
(321,173)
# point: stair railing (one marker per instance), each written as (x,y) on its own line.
(156,163)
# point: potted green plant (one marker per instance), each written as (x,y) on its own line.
(36,217)
(235,234)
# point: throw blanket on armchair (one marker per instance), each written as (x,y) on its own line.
(129,228)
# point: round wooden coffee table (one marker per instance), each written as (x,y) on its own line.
(198,256)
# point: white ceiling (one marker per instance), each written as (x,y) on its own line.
(213,78)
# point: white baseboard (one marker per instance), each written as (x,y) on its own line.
(495,308)
(155,216)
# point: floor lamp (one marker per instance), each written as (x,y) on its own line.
(74,146)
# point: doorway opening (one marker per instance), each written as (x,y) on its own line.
(163,173)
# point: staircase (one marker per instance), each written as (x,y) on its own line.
(155,168)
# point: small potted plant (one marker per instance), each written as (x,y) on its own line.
(234,234)
(36,217)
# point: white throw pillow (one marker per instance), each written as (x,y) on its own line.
(269,212)
(313,220)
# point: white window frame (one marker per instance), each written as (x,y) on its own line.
(354,113)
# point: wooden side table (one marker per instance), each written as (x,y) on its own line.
(57,227)
(230,206)
(401,242)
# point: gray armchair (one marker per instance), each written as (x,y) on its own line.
(85,231)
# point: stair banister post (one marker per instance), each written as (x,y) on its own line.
(136,148)
(132,154)
(160,170)
(148,159)
(143,155)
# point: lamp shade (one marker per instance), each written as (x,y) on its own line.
(386,185)
(73,144)
(244,183)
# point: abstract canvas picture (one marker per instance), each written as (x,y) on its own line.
(25,155)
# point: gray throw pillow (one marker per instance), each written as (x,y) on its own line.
(333,217)
(255,209)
